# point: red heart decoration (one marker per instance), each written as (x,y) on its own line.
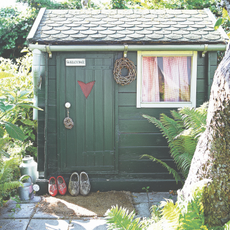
(86,88)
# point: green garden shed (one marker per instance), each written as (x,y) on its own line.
(92,120)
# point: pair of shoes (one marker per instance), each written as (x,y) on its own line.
(79,184)
(57,186)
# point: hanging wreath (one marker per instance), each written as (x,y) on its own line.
(118,66)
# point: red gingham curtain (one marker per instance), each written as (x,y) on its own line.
(176,79)
(150,80)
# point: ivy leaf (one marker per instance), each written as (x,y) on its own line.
(2,131)
(27,122)
(218,23)
(14,131)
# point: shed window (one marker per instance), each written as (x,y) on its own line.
(166,79)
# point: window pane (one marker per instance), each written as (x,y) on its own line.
(166,79)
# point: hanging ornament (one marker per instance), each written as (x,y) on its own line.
(68,122)
(129,65)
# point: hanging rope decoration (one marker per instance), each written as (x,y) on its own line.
(68,122)
(118,66)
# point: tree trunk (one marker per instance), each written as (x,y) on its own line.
(212,156)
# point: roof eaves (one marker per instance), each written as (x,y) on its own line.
(36,24)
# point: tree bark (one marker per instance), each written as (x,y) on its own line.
(212,156)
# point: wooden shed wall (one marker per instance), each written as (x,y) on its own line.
(135,134)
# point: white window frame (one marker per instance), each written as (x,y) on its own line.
(192,103)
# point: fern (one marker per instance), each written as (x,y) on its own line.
(171,214)
(119,218)
(182,133)
(171,170)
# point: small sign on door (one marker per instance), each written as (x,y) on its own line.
(75,62)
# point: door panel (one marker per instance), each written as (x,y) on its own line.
(90,144)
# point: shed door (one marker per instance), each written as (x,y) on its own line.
(89,145)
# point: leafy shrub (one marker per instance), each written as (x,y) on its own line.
(9,174)
(15,26)
(182,132)
(16,90)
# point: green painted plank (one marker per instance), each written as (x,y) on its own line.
(52,72)
(52,85)
(201,86)
(132,56)
(52,99)
(201,98)
(70,82)
(109,158)
(52,112)
(80,118)
(52,126)
(137,126)
(135,153)
(127,99)
(99,158)
(98,111)
(145,166)
(213,58)
(201,72)
(212,72)
(108,110)
(131,88)
(201,61)
(52,61)
(133,113)
(61,86)
(51,138)
(137,139)
(89,129)
(89,159)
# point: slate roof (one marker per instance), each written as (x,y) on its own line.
(126,26)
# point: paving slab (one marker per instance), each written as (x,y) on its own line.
(42,215)
(142,210)
(11,211)
(86,224)
(157,197)
(11,224)
(140,197)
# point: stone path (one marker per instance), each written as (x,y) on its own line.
(28,218)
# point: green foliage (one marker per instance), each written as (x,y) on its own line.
(170,170)
(183,215)
(15,106)
(14,28)
(119,218)
(223,21)
(9,174)
(182,132)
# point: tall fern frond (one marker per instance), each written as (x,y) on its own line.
(119,218)
(171,214)
(159,125)
(171,125)
(194,118)
(170,170)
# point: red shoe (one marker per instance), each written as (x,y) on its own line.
(52,186)
(61,185)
